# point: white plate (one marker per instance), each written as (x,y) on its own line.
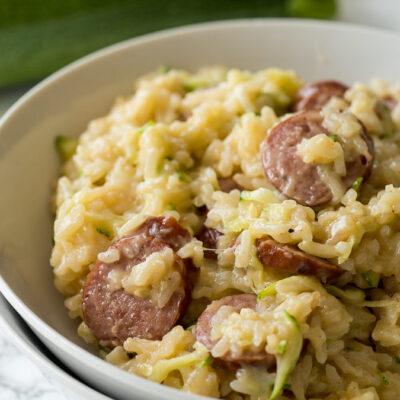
(65,102)
(16,330)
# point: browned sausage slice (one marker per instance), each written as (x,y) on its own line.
(203,331)
(228,184)
(115,315)
(317,94)
(166,229)
(288,258)
(209,237)
(286,170)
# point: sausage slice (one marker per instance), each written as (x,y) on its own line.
(166,229)
(286,170)
(114,315)
(288,258)
(209,237)
(228,184)
(317,94)
(203,331)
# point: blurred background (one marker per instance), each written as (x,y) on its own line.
(38,37)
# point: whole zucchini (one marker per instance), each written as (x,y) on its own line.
(37,37)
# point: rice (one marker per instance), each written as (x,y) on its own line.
(161,152)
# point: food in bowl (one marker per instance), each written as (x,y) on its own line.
(236,235)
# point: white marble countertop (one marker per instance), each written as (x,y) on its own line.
(20,379)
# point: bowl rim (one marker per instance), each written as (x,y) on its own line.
(96,363)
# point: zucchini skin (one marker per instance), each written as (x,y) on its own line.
(38,37)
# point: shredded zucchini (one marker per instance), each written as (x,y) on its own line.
(163,367)
(372,278)
(193,84)
(282,346)
(357,296)
(206,362)
(237,225)
(103,350)
(334,137)
(104,226)
(144,127)
(171,207)
(66,147)
(276,212)
(294,283)
(261,195)
(383,378)
(269,290)
(287,361)
(183,175)
(351,295)
(357,183)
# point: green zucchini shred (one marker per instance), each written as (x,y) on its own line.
(287,362)
(269,290)
(144,127)
(206,362)
(372,278)
(351,295)
(104,226)
(192,84)
(261,195)
(357,297)
(170,206)
(103,351)
(282,347)
(357,183)
(237,225)
(104,230)
(287,386)
(183,176)
(383,378)
(66,147)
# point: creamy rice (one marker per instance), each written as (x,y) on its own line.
(161,152)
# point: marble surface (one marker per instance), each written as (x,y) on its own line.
(20,379)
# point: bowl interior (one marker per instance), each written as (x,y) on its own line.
(67,101)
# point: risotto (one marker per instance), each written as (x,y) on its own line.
(237,235)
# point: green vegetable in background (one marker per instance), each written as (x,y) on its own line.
(311,8)
(37,38)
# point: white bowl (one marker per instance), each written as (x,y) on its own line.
(13,327)
(65,102)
